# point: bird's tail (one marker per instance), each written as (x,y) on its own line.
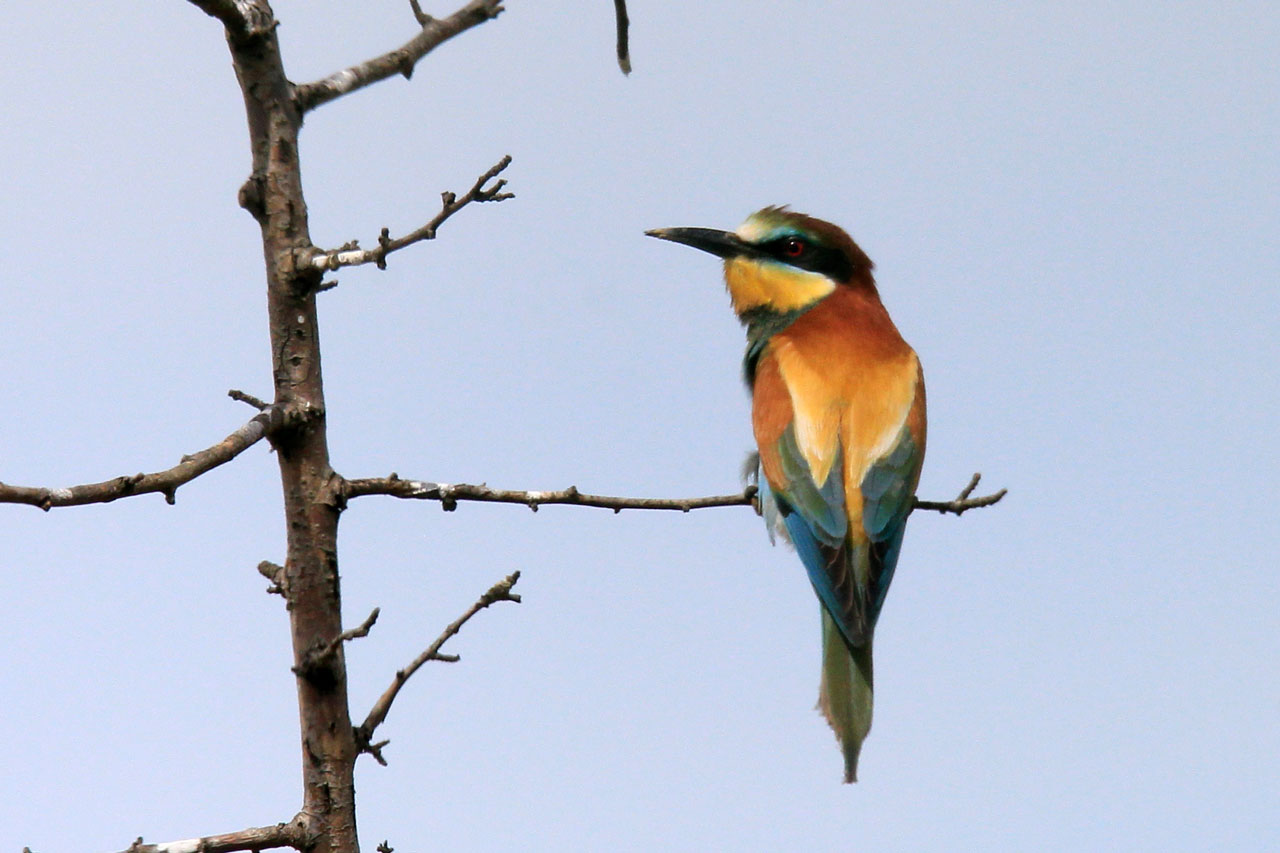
(844,696)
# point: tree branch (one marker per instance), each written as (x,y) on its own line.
(242,18)
(963,502)
(166,482)
(418,15)
(624,50)
(402,60)
(274,572)
(448,494)
(500,591)
(351,255)
(293,834)
(249,399)
(316,659)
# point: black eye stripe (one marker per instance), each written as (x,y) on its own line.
(813,257)
(779,245)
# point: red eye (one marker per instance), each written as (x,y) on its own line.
(793,248)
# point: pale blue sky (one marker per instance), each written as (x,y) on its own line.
(1074,213)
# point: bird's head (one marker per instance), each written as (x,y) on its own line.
(779,261)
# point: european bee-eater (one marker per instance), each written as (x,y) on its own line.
(838,412)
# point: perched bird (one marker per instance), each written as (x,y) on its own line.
(838,412)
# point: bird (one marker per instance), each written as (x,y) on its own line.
(838,413)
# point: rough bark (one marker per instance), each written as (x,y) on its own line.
(273,194)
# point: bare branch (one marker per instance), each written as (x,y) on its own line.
(624,51)
(352,255)
(421,17)
(251,400)
(500,591)
(402,60)
(273,572)
(963,502)
(361,630)
(448,494)
(166,482)
(315,660)
(375,749)
(242,18)
(293,834)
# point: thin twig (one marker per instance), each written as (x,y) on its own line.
(166,482)
(500,591)
(624,50)
(273,572)
(375,749)
(293,834)
(314,660)
(449,494)
(402,60)
(418,15)
(249,399)
(963,502)
(351,255)
(361,630)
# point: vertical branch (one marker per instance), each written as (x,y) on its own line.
(623,23)
(273,194)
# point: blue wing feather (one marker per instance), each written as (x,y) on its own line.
(817,522)
(821,506)
(818,561)
(886,502)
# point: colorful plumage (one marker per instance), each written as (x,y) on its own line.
(838,411)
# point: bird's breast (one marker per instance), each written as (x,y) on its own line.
(846,382)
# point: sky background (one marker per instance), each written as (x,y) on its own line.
(1073,209)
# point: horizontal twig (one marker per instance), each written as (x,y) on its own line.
(352,255)
(273,572)
(165,482)
(293,834)
(963,503)
(500,591)
(249,399)
(449,494)
(402,60)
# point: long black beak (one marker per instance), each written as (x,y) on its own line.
(725,244)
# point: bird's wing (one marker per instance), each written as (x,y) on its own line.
(812,505)
(847,538)
(888,489)
(818,525)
